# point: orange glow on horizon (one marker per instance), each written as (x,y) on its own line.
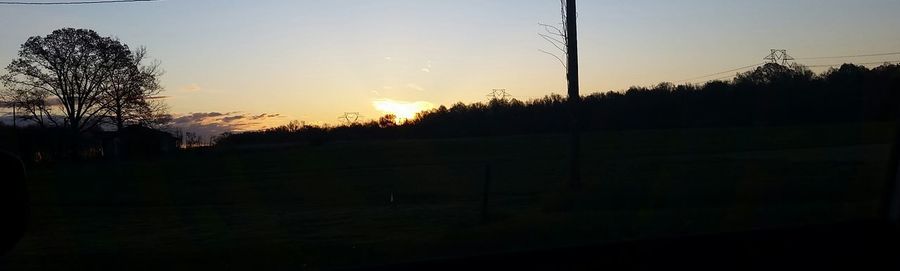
(402,110)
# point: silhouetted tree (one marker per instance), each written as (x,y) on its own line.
(192,140)
(73,66)
(132,93)
(75,78)
(388,120)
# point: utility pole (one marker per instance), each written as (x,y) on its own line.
(574,95)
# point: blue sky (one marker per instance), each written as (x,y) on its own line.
(314,60)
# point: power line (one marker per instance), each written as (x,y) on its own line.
(849,56)
(719,73)
(72,2)
(723,78)
(810,66)
(868,63)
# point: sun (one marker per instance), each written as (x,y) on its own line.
(403,110)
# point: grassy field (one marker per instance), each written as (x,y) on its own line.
(330,206)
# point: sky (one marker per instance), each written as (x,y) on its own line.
(248,64)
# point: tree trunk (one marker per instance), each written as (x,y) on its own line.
(120,122)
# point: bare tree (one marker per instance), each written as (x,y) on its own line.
(178,133)
(192,140)
(132,93)
(294,126)
(389,120)
(73,67)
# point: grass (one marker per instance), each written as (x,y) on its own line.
(329,206)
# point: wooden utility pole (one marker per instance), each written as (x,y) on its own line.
(574,95)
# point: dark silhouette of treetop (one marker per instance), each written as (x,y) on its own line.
(77,79)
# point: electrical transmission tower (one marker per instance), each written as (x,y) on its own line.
(499,94)
(350,118)
(779,56)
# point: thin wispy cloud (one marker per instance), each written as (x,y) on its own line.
(265,116)
(233,118)
(415,86)
(49,102)
(427,67)
(192,88)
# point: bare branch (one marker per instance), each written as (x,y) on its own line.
(558,44)
(553,35)
(557,58)
(553,30)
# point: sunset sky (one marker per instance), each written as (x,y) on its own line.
(245,64)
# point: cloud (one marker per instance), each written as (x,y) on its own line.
(48,101)
(6,118)
(215,123)
(427,67)
(205,124)
(197,117)
(233,118)
(192,88)
(265,116)
(388,58)
(387,87)
(416,87)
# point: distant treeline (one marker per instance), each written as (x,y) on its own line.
(769,95)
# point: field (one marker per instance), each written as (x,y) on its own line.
(364,203)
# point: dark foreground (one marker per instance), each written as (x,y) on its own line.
(860,245)
(364,204)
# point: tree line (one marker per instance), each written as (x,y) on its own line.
(770,95)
